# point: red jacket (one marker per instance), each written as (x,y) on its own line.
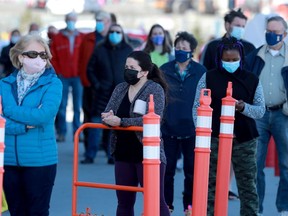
(64,62)
(85,52)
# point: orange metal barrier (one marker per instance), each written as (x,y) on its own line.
(151,162)
(224,153)
(202,154)
(77,183)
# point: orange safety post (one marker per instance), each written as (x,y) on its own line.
(202,154)
(2,147)
(151,161)
(224,152)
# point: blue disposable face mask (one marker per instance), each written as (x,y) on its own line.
(237,32)
(14,39)
(231,67)
(71,25)
(100,26)
(115,38)
(182,56)
(157,40)
(272,38)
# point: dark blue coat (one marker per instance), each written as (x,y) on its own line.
(177,119)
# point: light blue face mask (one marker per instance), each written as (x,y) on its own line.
(115,38)
(71,25)
(231,67)
(15,39)
(100,26)
(237,32)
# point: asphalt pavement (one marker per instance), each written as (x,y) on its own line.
(103,202)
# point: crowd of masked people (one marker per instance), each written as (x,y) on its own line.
(110,77)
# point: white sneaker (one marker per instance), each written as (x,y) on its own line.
(283,213)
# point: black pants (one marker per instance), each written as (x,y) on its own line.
(28,189)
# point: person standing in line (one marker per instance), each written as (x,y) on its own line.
(65,50)
(234,23)
(158,46)
(269,63)
(248,92)
(51,31)
(103,73)
(33,28)
(30,98)
(90,40)
(178,130)
(5,62)
(142,79)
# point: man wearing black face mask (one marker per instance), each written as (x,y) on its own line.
(269,62)
(178,130)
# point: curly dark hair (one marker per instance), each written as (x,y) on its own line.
(230,43)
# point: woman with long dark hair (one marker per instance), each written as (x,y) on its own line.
(142,79)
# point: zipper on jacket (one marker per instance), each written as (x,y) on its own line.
(16,152)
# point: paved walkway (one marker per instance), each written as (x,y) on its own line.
(103,202)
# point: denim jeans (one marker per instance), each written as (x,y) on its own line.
(94,139)
(273,123)
(77,89)
(172,146)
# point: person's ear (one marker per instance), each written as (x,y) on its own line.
(227,26)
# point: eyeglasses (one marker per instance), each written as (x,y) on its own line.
(34,54)
(118,32)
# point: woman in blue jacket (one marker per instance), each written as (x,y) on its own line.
(30,100)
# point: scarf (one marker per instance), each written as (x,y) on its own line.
(25,82)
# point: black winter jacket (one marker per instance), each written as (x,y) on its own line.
(105,70)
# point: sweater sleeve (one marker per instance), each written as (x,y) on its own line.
(201,84)
(257,109)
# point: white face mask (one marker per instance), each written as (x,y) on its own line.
(35,65)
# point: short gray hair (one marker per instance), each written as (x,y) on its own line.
(102,14)
(278,19)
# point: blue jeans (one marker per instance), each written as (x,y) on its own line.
(172,146)
(77,89)
(94,139)
(273,123)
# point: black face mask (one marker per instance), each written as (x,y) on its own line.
(130,76)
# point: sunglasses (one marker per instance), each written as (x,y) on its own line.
(118,32)
(34,54)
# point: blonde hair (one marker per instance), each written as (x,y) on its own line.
(20,46)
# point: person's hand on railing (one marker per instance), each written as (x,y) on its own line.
(105,115)
(110,119)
